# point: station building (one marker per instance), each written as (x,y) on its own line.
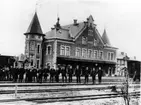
(72,44)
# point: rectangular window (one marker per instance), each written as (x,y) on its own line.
(78,51)
(67,50)
(100,54)
(112,56)
(32,45)
(95,54)
(49,50)
(90,53)
(84,40)
(62,50)
(108,55)
(84,52)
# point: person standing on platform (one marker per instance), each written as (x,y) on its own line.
(70,73)
(40,75)
(93,74)
(46,71)
(21,74)
(78,73)
(100,75)
(64,76)
(34,73)
(86,75)
(57,73)
(52,73)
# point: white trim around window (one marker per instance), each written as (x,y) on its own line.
(84,52)
(67,50)
(110,56)
(95,54)
(62,50)
(48,50)
(100,54)
(78,51)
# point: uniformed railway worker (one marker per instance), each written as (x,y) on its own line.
(70,73)
(78,73)
(34,73)
(45,74)
(86,75)
(100,75)
(52,74)
(57,73)
(64,74)
(93,74)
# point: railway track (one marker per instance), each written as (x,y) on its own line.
(71,98)
(55,90)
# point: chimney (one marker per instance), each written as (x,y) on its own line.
(75,22)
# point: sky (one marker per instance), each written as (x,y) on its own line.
(120,18)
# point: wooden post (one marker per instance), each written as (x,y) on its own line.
(16,90)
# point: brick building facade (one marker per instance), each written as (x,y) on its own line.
(73,44)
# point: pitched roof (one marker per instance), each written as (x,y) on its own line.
(67,32)
(34,27)
(105,38)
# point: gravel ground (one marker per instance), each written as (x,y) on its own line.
(112,101)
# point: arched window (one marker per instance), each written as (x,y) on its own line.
(84,40)
(84,52)
(38,48)
(62,50)
(78,51)
(67,50)
(95,54)
(49,50)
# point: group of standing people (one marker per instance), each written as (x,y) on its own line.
(49,74)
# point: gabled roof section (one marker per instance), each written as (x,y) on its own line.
(59,34)
(34,27)
(74,29)
(106,39)
(67,32)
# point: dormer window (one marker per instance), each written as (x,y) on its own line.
(84,40)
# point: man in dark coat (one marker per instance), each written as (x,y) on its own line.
(52,73)
(64,74)
(29,72)
(46,71)
(34,73)
(70,73)
(100,75)
(93,74)
(57,73)
(86,75)
(21,74)
(40,75)
(78,73)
